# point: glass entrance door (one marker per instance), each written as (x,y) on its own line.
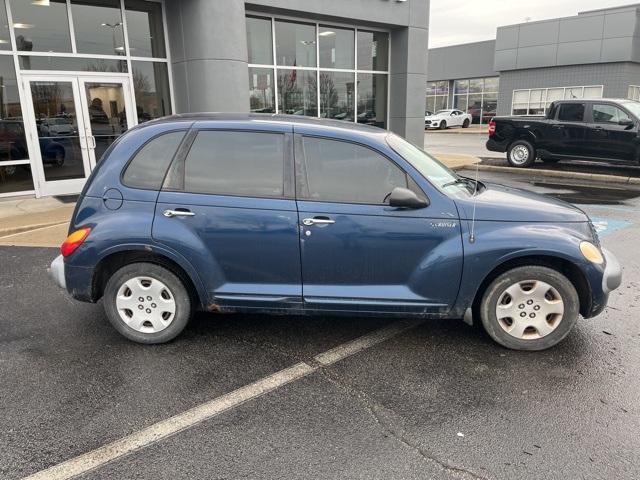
(76,119)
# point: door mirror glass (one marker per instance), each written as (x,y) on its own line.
(405,198)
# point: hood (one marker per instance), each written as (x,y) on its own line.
(501,203)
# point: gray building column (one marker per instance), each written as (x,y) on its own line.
(408,75)
(208,44)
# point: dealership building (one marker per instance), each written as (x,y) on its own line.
(75,74)
(594,54)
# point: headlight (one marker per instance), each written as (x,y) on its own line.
(591,253)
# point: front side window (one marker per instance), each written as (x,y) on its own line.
(149,166)
(249,164)
(603,113)
(571,112)
(344,172)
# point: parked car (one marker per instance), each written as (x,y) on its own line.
(13,144)
(600,130)
(443,119)
(56,126)
(261,213)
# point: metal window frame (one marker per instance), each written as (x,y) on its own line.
(545,96)
(274,67)
(24,95)
(635,95)
(482,93)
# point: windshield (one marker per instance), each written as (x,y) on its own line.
(633,107)
(443,111)
(430,168)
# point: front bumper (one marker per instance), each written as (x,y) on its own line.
(612,277)
(56,271)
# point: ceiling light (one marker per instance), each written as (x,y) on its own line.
(3,41)
(22,25)
(327,33)
(41,3)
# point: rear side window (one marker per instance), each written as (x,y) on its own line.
(249,164)
(344,172)
(571,112)
(148,168)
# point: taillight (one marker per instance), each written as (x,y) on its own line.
(74,240)
(492,127)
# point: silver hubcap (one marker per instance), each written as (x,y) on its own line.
(529,309)
(146,304)
(519,154)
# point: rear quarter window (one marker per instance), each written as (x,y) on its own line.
(149,165)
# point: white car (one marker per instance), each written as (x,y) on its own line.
(448,118)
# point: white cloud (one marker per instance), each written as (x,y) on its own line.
(474,20)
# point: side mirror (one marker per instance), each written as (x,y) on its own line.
(405,198)
(626,122)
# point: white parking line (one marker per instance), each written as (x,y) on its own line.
(182,421)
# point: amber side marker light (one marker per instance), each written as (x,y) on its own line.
(73,241)
(591,253)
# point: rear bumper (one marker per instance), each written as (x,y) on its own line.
(494,145)
(56,271)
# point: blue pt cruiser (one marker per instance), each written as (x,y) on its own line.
(260,213)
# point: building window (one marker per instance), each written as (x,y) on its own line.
(477,96)
(97,25)
(151,89)
(437,96)
(320,70)
(536,101)
(634,93)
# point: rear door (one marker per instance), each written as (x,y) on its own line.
(360,254)
(228,207)
(606,137)
(567,133)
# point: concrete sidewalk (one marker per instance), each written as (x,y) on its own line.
(456,161)
(472,129)
(34,221)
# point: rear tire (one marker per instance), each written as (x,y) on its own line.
(529,308)
(443,125)
(466,123)
(521,154)
(147,303)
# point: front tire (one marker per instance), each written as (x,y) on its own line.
(466,123)
(529,308)
(521,154)
(443,125)
(147,303)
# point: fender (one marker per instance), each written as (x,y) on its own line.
(494,246)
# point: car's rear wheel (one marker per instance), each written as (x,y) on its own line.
(443,125)
(147,303)
(529,308)
(521,154)
(466,123)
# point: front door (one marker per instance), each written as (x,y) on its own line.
(73,120)
(607,137)
(360,254)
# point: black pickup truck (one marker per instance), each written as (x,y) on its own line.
(597,130)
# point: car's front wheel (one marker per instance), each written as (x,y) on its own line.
(443,125)
(521,154)
(147,303)
(529,308)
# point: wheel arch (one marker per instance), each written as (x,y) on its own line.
(527,135)
(113,261)
(560,264)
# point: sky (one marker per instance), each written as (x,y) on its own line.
(463,21)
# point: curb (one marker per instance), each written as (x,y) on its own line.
(7,232)
(598,177)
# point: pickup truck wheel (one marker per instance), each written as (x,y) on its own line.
(529,308)
(147,303)
(443,125)
(521,154)
(465,124)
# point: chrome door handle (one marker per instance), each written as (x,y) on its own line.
(178,213)
(317,221)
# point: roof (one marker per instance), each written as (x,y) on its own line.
(268,117)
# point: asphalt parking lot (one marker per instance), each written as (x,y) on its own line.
(438,400)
